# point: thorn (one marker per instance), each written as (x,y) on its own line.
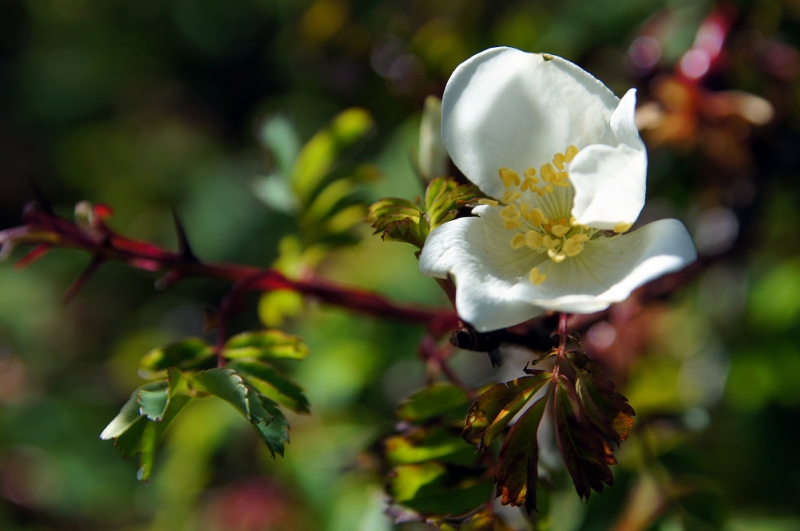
(41,200)
(90,270)
(183,241)
(37,252)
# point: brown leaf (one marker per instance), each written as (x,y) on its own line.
(584,447)
(518,463)
(495,408)
(609,410)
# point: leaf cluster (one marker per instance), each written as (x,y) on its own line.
(588,414)
(188,370)
(408,221)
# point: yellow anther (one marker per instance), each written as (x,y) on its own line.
(490,202)
(536,277)
(547,189)
(533,239)
(561,179)
(580,238)
(548,172)
(518,240)
(621,227)
(550,243)
(512,224)
(556,256)
(509,196)
(560,230)
(530,181)
(570,154)
(536,216)
(509,177)
(572,247)
(559,160)
(510,212)
(524,208)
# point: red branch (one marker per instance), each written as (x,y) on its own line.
(45,230)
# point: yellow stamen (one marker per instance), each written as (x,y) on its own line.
(559,160)
(570,153)
(536,216)
(560,230)
(548,172)
(621,227)
(561,179)
(572,247)
(580,238)
(550,243)
(547,189)
(556,256)
(490,202)
(509,196)
(533,239)
(536,277)
(518,240)
(512,224)
(509,177)
(510,212)
(530,181)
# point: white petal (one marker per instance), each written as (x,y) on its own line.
(477,252)
(610,269)
(504,108)
(609,180)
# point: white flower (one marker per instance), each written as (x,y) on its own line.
(562,157)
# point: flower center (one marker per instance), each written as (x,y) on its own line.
(538,211)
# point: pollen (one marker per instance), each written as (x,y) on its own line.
(556,256)
(559,160)
(533,239)
(548,172)
(570,153)
(560,230)
(536,277)
(509,177)
(490,202)
(509,196)
(510,212)
(512,224)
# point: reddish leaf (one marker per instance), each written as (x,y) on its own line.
(584,448)
(609,410)
(495,408)
(518,463)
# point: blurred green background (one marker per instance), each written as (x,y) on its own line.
(146,106)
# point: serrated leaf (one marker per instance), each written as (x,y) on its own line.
(271,384)
(433,488)
(187,354)
(585,450)
(497,406)
(256,408)
(518,462)
(140,423)
(444,197)
(438,400)
(609,410)
(265,344)
(398,220)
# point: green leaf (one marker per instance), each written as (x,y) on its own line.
(495,408)
(486,521)
(518,462)
(444,197)
(190,353)
(584,448)
(265,344)
(280,137)
(438,400)
(428,444)
(609,410)
(317,157)
(256,408)
(398,220)
(140,423)
(272,385)
(436,489)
